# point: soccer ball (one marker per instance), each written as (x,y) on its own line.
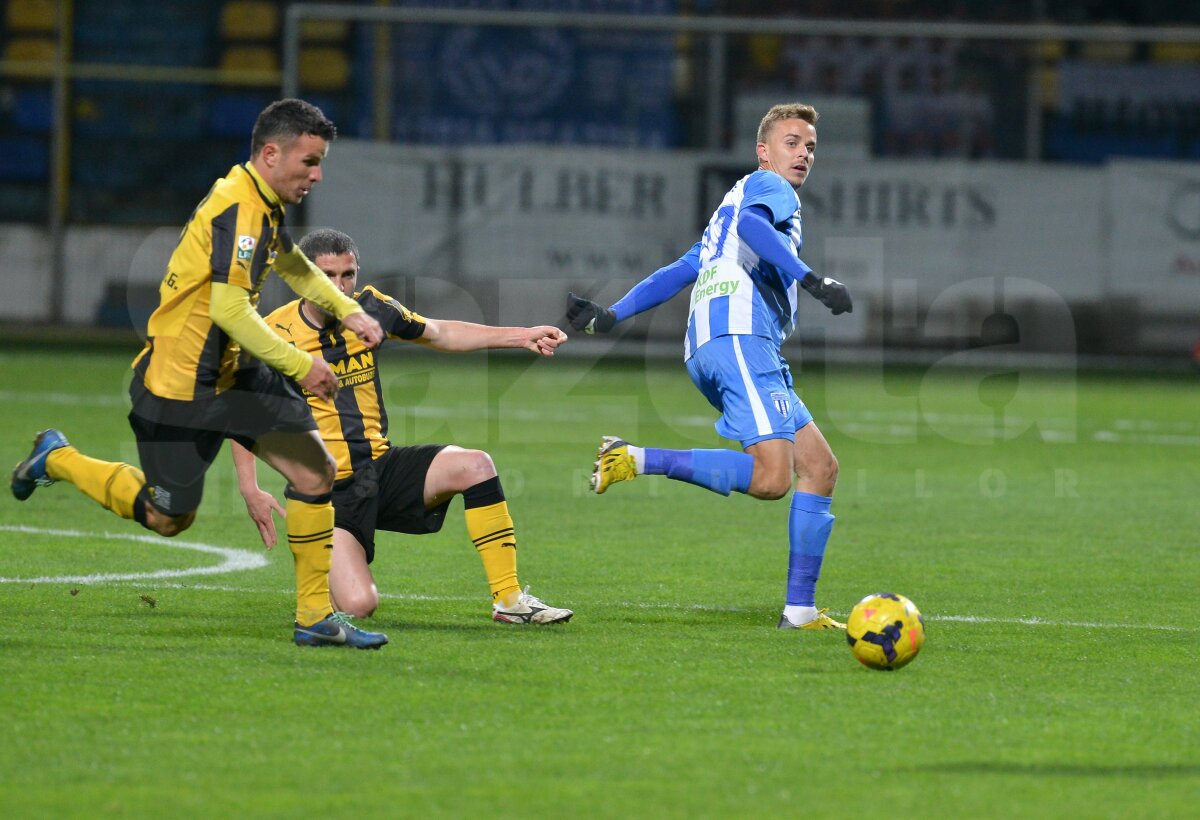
(885,631)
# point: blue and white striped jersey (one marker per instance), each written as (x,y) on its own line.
(737,292)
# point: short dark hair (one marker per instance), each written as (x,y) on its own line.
(288,119)
(327,240)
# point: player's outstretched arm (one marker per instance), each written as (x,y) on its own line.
(660,286)
(230,309)
(451,336)
(259,503)
(755,229)
(588,316)
(544,339)
(366,328)
(309,281)
(321,380)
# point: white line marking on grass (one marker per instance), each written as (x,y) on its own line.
(968,619)
(1034,621)
(904,425)
(70,399)
(897,424)
(235,560)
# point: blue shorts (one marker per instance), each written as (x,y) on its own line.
(746,379)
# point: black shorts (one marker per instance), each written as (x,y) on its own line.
(388,494)
(179,440)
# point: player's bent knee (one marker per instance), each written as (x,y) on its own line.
(466,468)
(825,474)
(770,486)
(480,466)
(832,471)
(328,473)
(360,605)
(772,492)
(169,526)
(317,480)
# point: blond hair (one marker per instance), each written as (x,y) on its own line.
(786,111)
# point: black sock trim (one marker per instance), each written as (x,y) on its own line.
(139,506)
(310,537)
(484,494)
(494,536)
(324,498)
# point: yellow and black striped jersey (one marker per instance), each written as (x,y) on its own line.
(354,425)
(232,237)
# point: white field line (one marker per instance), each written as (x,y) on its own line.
(970,619)
(68,399)
(235,560)
(904,424)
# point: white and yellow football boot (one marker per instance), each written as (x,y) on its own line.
(822,621)
(613,463)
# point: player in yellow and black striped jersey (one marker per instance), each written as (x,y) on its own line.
(384,487)
(354,425)
(211,368)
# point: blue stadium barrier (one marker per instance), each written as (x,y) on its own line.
(24,159)
(33,110)
(233,114)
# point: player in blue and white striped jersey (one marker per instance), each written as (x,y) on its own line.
(744,274)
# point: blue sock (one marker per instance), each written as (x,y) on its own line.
(809,525)
(718,470)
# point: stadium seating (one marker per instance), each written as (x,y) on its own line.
(249,58)
(249,20)
(324,68)
(1175,52)
(30,49)
(31,15)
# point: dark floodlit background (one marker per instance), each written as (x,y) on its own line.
(1020,177)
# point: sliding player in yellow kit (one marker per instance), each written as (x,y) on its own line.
(211,369)
(395,488)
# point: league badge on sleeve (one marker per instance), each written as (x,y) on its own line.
(246,247)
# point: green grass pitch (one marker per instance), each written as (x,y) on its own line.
(1045,524)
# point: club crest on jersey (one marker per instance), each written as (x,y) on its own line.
(782,402)
(245,247)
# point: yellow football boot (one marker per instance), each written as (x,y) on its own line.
(822,621)
(613,464)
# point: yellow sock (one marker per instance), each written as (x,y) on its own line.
(491,528)
(310,536)
(112,484)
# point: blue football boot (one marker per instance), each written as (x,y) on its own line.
(31,473)
(336,630)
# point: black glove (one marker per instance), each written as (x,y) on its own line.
(829,292)
(586,315)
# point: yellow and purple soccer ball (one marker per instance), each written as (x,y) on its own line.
(885,631)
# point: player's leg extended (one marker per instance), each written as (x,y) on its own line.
(351,585)
(490,527)
(745,380)
(119,487)
(302,459)
(809,526)
(114,485)
(722,471)
(455,470)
